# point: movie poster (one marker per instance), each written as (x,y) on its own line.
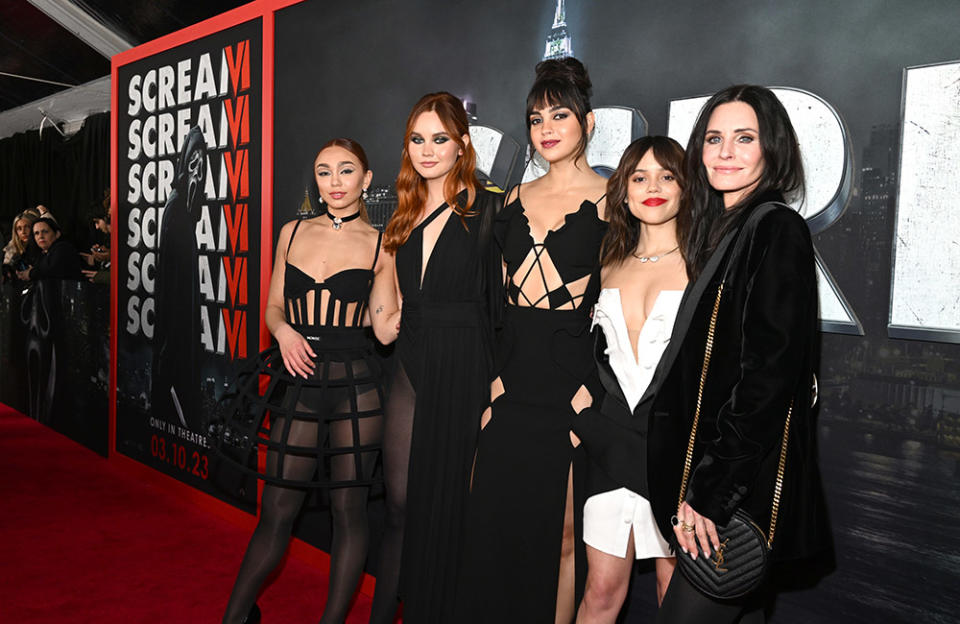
(189,163)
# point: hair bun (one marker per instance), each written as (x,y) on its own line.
(567,69)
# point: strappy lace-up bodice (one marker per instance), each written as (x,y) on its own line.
(338,301)
(559,272)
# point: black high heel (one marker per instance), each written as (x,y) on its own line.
(254,616)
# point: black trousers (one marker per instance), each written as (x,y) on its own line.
(683,604)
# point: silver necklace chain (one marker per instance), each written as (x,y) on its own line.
(655,258)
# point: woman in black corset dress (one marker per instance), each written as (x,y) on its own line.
(449,277)
(525,561)
(322,409)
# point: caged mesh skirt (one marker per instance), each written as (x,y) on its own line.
(324,431)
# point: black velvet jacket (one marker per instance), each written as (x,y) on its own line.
(765,355)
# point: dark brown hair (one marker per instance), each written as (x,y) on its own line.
(412,188)
(709,220)
(623,234)
(562,82)
(357,150)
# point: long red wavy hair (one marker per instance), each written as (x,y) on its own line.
(412,188)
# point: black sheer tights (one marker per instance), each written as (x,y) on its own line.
(280,507)
(397,435)
(684,604)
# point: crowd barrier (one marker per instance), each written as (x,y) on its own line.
(55,356)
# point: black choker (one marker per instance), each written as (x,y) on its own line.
(339,221)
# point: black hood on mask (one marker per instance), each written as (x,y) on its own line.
(191,166)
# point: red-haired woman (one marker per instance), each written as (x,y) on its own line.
(449,277)
(324,398)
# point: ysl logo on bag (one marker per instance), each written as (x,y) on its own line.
(718,556)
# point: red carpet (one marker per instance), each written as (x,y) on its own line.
(85,542)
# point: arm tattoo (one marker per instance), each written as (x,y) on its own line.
(378,310)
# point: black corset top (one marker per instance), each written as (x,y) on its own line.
(573,250)
(338,301)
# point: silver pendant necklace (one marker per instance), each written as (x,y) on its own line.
(655,258)
(339,221)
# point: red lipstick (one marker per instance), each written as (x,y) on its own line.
(654,201)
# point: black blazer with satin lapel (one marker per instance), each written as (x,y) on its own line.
(615,438)
(766,352)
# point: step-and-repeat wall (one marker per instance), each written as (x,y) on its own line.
(188,176)
(872,88)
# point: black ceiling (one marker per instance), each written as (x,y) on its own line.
(35,46)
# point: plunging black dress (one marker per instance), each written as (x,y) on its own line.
(445,352)
(325,430)
(516,513)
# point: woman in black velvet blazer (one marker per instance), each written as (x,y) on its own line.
(742,154)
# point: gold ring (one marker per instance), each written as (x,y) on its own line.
(687,528)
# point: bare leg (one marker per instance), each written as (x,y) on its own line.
(608,578)
(566,590)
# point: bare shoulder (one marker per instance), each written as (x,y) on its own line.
(286,231)
(366,229)
(513,193)
(597,193)
(531,190)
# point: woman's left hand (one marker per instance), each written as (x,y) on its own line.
(691,527)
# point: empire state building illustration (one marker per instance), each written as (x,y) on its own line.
(558,41)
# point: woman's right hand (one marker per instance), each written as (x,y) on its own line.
(690,527)
(296,351)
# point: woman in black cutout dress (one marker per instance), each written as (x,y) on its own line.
(451,291)
(320,418)
(525,558)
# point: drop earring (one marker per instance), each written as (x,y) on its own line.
(364,195)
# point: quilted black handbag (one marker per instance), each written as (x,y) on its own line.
(740,564)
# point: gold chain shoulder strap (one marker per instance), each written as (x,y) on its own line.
(778,487)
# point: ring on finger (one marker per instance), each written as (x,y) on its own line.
(687,528)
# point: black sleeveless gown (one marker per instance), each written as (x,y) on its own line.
(445,352)
(324,431)
(524,454)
